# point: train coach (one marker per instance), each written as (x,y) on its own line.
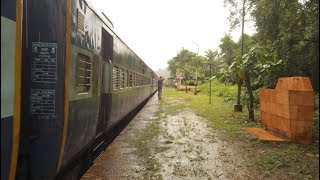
(71,86)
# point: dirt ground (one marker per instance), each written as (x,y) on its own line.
(160,144)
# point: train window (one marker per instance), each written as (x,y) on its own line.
(80,21)
(139,80)
(115,77)
(122,78)
(83,73)
(129,78)
(144,80)
(134,79)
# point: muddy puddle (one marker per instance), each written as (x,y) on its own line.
(195,151)
(183,148)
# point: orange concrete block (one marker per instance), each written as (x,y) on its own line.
(283,110)
(268,119)
(280,122)
(263,116)
(307,86)
(262,106)
(273,108)
(282,97)
(301,98)
(305,113)
(265,135)
(270,122)
(262,95)
(301,132)
(273,120)
(277,122)
(293,112)
(280,84)
(294,83)
(288,110)
(286,125)
(268,107)
(287,128)
(272,96)
(267,95)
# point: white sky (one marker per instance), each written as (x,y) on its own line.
(157,29)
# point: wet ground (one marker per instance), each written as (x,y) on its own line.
(163,144)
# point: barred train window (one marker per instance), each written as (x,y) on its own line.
(116,77)
(139,79)
(83,73)
(80,21)
(122,78)
(129,78)
(134,79)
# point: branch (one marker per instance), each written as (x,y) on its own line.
(308,40)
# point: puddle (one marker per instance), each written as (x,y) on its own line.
(185,148)
(196,152)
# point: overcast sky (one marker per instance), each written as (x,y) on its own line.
(157,29)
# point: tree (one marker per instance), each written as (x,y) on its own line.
(186,62)
(187,71)
(254,65)
(228,49)
(236,9)
(291,29)
(213,58)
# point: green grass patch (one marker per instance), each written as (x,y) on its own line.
(143,138)
(218,89)
(142,143)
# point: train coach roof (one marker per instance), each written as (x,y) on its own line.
(103,17)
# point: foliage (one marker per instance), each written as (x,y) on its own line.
(192,65)
(245,99)
(253,66)
(183,58)
(258,62)
(228,49)
(213,58)
(235,10)
(218,89)
(291,29)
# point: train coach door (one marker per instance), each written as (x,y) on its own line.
(105,94)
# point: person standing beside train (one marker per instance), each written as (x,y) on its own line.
(160,86)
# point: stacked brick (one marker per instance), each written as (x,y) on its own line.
(288,109)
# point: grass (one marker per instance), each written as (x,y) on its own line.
(219,113)
(142,143)
(285,160)
(218,89)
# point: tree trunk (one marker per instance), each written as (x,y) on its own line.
(238,107)
(239,92)
(186,87)
(249,88)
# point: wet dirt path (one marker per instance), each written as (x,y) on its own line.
(162,142)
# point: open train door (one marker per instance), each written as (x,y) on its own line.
(105,93)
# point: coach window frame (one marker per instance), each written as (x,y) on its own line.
(86,75)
